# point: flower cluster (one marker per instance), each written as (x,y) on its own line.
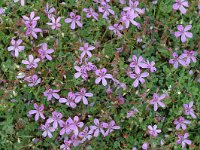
(74,128)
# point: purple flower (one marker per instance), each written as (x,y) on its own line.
(38,111)
(76,124)
(90,66)
(32,20)
(176,60)
(157,101)
(75,140)
(139,77)
(51,93)
(44,52)
(116,28)
(1,11)
(145,146)
(56,119)
(31,63)
(82,95)
(66,127)
(181,122)
(133,8)
(91,13)
(150,66)
(137,63)
(128,17)
(86,134)
(47,130)
(22,2)
(182,139)
(153,130)
(32,30)
(81,72)
(188,55)
(15,46)
(183,32)
(32,80)
(69,100)
(189,110)
(55,24)
(74,19)
(122,2)
(132,112)
(86,50)
(98,128)
(106,10)
(180,5)
(110,127)
(66,145)
(49,11)
(101,73)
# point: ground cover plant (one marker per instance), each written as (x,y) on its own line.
(99,74)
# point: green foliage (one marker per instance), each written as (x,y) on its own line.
(17,131)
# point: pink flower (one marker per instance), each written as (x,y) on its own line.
(56,119)
(15,46)
(86,134)
(32,30)
(157,101)
(153,130)
(44,52)
(106,10)
(116,28)
(189,110)
(180,5)
(32,20)
(66,145)
(32,80)
(69,100)
(150,66)
(74,19)
(101,73)
(47,130)
(91,13)
(176,60)
(55,24)
(183,32)
(66,127)
(86,50)
(128,17)
(137,63)
(145,146)
(49,11)
(51,93)
(138,76)
(31,63)
(182,139)
(110,127)
(98,128)
(81,72)
(38,111)
(181,122)
(133,8)
(188,55)
(76,124)
(82,95)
